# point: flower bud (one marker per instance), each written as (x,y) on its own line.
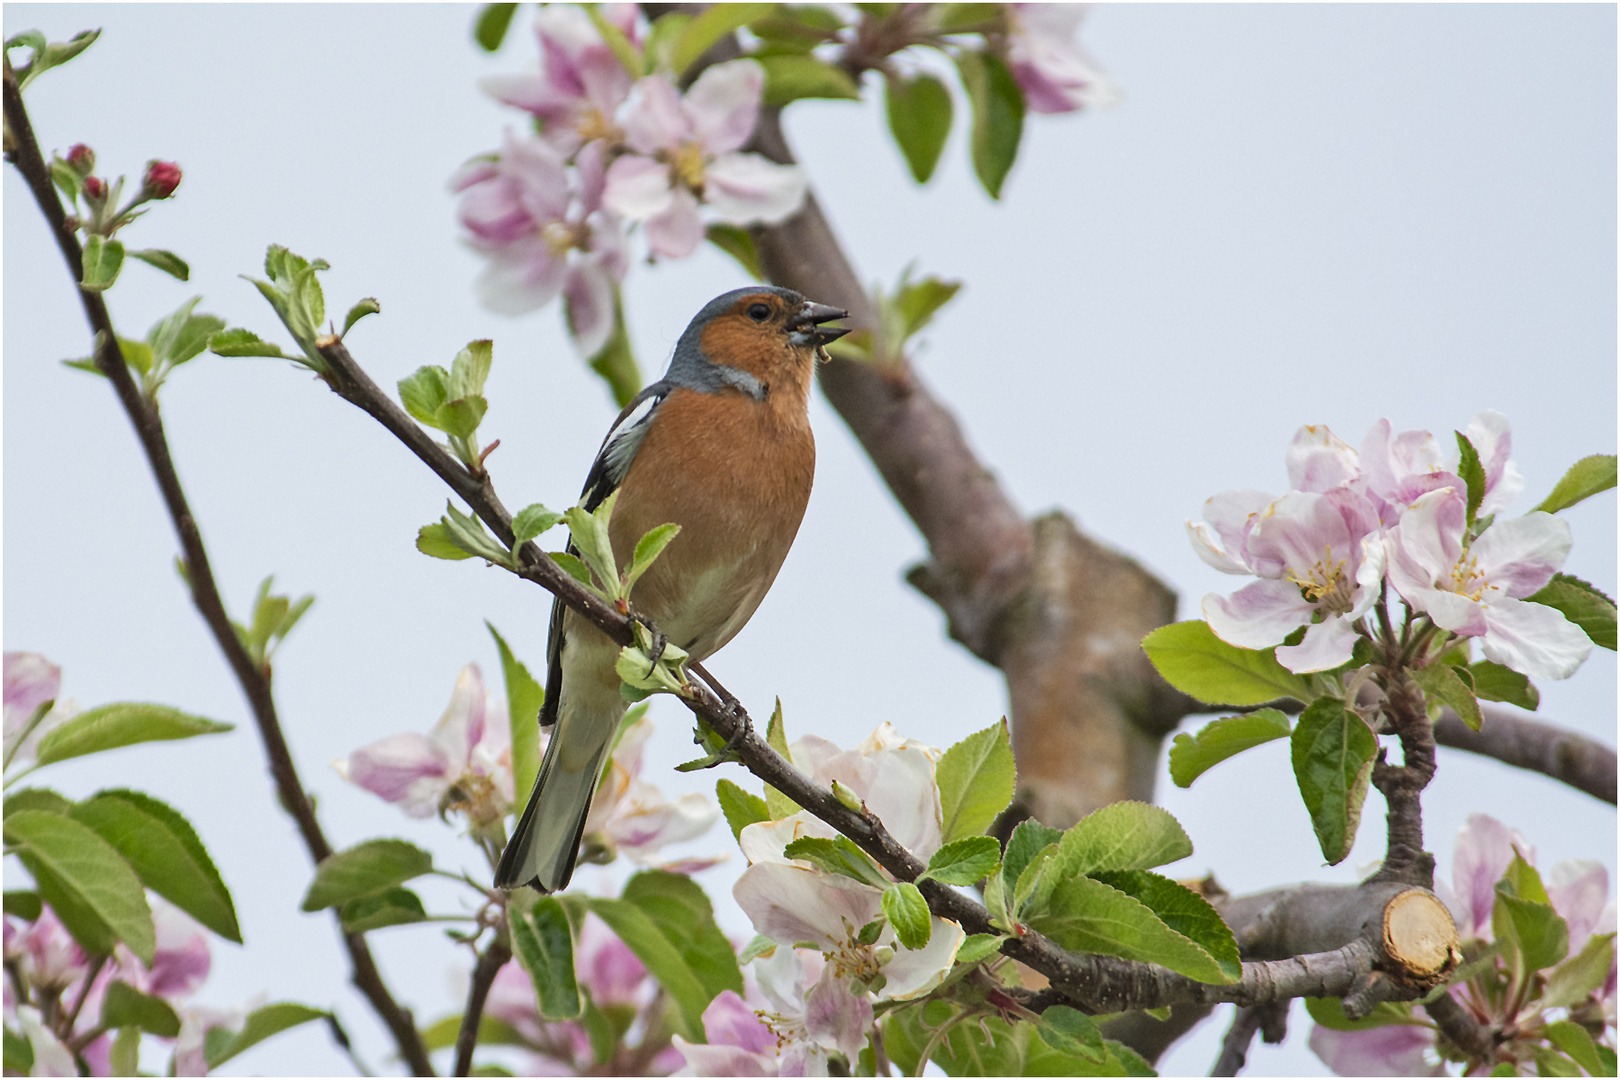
(95,189)
(161,178)
(81,159)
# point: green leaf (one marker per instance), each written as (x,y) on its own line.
(461,416)
(103,259)
(965,861)
(25,904)
(38,799)
(1071,1031)
(124,1056)
(166,261)
(1472,474)
(790,77)
(1329,1012)
(1192,659)
(742,808)
(1573,1040)
(737,242)
(19,1055)
(1493,682)
(977,947)
(573,565)
(470,369)
(489,29)
(1029,838)
(648,548)
(957,18)
(998,116)
(124,1006)
(658,51)
(1533,935)
(1332,752)
(180,336)
(589,532)
(136,354)
(435,540)
(1583,604)
(1087,915)
(524,696)
(545,947)
(307,301)
(628,55)
(391,907)
(240,342)
(699,35)
(1193,755)
(993,1049)
(221,1043)
(364,869)
(669,924)
(779,805)
(1574,980)
(615,362)
(368,306)
(917,302)
(467,533)
(423,392)
(491,1032)
(1521,880)
(1183,911)
(108,727)
(531,521)
(163,849)
(1587,477)
(48,55)
(976,779)
(1122,836)
(85,880)
(1454,686)
(837,855)
(919,111)
(907,912)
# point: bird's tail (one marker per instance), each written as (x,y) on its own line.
(546,840)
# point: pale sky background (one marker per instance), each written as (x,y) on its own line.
(1296,214)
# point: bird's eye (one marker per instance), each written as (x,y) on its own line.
(758,312)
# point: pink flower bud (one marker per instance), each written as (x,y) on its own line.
(162,177)
(82,159)
(95,188)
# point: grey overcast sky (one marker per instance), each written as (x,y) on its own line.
(1296,214)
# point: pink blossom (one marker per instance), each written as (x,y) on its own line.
(633,816)
(1398,469)
(464,763)
(1474,589)
(580,84)
(1055,73)
(1392,1050)
(30,681)
(686,153)
(739,1042)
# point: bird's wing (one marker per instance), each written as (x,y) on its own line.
(607,473)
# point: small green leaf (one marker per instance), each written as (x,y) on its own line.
(737,242)
(435,540)
(240,342)
(917,302)
(1332,753)
(460,417)
(124,1056)
(1533,935)
(307,301)
(1493,682)
(907,912)
(1453,686)
(124,1006)
(648,548)
(1193,755)
(470,369)
(531,521)
(1183,911)
(1192,659)
(85,880)
(1028,839)
(838,855)
(38,799)
(1122,836)
(103,258)
(998,117)
(1472,474)
(368,306)
(976,779)
(699,35)
(221,1043)
(363,870)
(123,724)
(1329,1012)
(1086,915)
(790,77)
(780,805)
(1574,980)
(20,1055)
(573,565)
(960,18)
(489,29)
(589,533)
(977,947)
(467,533)
(1573,1040)
(1072,1032)
(391,907)
(919,111)
(964,861)
(423,391)
(1583,604)
(741,807)
(166,261)
(181,335)
(524,696)
(545,946)
(1587,477)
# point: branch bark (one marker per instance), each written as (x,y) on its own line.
(490,962)
(1582,763)
(143,415)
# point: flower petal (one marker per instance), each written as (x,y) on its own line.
(406,768)
(789,904)
(637,187)
(1520,555)
(1258,615)
(676,232)
(914,972)
(521,277)
(836,1015)
(588,306)
(655,120)
(744,188)
(1533,639)
(1483,850)
(1393,1050)
(723,104)
(1327,644)
(1318,460)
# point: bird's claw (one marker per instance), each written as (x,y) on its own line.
(659,641)
(745,727)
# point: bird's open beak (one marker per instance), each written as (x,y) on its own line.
(807,328)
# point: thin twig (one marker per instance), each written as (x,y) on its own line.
(255,683)
(1235,1046)
(490,962)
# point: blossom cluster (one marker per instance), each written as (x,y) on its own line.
(1393,515)
(551,209)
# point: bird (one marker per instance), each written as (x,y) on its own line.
(722,447)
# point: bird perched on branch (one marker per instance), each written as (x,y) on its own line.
(721,446)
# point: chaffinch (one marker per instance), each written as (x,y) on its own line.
(721,445)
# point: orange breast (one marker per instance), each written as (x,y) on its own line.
(735,474)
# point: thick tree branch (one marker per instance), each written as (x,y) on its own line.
(1569,756)
(255,682)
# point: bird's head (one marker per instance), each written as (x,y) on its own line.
(753,337)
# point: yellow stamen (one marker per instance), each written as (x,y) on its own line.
(1326,584)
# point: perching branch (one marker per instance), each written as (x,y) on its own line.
(1580,762)
(143,415)
(490,962)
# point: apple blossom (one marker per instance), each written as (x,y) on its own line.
(685,152)
(30,681)
(1475,589)
(580,84)
(633,817)
(1054,72)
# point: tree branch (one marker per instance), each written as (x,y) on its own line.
(490,962)
(1580,762)
(1235,1046)
(143,415)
